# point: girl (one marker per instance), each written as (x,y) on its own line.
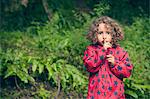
(106,61)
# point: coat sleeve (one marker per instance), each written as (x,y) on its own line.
(92,59)
(122,67)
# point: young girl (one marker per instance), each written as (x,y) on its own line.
(106,61)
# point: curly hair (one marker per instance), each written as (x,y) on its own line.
(112,25)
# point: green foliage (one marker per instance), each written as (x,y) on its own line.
(137,44)
(49,51)
(101,8)
(42,92)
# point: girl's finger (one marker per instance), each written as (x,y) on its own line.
(110,55)
(108,45)
(109,59)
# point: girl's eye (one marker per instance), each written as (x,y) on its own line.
(108,32)
(100,32)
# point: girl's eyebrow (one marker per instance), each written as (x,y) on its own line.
(103,31)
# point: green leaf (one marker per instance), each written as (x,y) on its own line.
(22,75)
(54,66)
(34,66)
(41,68)
(10,71)
(63,43)
(131,93)
(141,86)
(50,71)
(30,78)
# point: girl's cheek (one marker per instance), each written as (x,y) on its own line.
(100,39)
(109,39)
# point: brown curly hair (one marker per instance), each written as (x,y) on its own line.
(113,26)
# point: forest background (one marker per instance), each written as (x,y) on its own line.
(42,44)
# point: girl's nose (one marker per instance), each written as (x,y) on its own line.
(104,36)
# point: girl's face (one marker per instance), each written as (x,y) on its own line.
(104,34)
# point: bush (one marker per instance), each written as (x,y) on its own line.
(137,44)
(51,51)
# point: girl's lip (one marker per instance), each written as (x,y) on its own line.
(104,41)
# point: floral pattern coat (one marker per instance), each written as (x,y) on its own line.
(105,79)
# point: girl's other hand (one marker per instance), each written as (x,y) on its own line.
(111,59)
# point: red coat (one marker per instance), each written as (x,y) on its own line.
(106,80)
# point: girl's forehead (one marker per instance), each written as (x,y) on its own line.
(102,26)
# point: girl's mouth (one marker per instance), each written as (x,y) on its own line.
(104,41)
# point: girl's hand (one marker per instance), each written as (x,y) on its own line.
(110,59)
(107,45)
